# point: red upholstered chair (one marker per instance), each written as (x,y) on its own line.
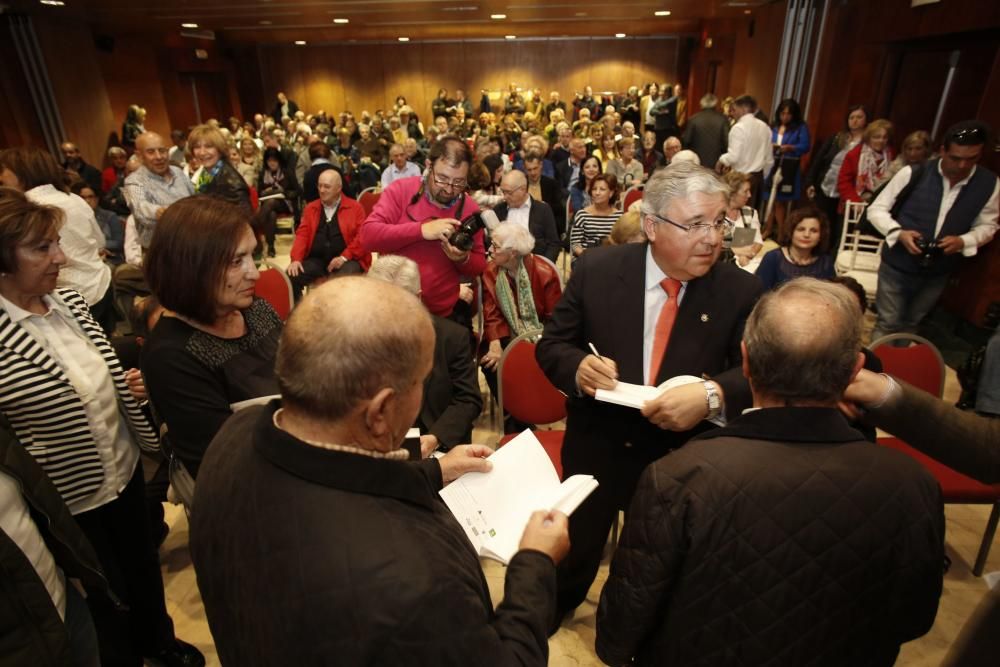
(526,393)
(368,198)
(631,195)
(274,287)
(254,198)
(921,365)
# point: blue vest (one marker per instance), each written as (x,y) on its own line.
(920,212)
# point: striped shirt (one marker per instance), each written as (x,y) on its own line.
(589,229)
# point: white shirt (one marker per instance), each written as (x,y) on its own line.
(655,298)
(983,227)
(519,215)
(749,146)
(81,240)
(393,173)
(132,248)
(16,521)
(60,335)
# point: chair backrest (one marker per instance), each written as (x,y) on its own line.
(274,287)
(631,195)
(543,258)
(857,251)
(524,391)
(368,198)
(919,364)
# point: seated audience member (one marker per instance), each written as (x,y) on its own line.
(112,227)
(651,158)
(842,541)
(671,147)
(627,229)
(804,250)
(368,147)
(77,411)
(154,186)
(399,166)
(543,188)
(520,208)
(740,216)
(248,161)
(74,163)
(626,168)
(36,173)
(451,401)
(866,166)
(279,194)
(592,224)
(320,155)
(484,181)
(579,194)
(351,367)
(607,149)
(327,243)
(115,172)
(178,139)
(215,343)
(216,177)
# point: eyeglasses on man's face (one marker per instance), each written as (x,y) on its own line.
(698,229)
(444,182)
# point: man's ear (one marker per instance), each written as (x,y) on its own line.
(858,365)
(746,360)
(377,413)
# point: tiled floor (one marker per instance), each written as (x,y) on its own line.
(574,643)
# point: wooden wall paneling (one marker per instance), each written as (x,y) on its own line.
(131,75)
(21,126)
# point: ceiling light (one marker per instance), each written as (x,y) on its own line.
(265,23)
(300,42)
(498,16)
(662,12)
(748,11)
(341,20)
(580,14)
(404,39)
(192,26)
(53,3)
(619,35)
(510,36)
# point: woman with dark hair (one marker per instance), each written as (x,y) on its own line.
(593,223)
(36,173)
(439,107)
(579,194)
(112,226)
(821,181)
(805,242)
(790,137)
(484,181)
(215,343)
(279,192)
(215,175)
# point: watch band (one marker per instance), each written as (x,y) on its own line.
(712,400)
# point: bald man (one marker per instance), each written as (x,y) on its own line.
(315,541)
(327,242)
(520,208)
(784,533)
(154,186)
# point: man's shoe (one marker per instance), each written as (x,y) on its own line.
(181,654)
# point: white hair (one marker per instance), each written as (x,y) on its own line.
(398,270)
(510,236)
(680,181)
(686,155)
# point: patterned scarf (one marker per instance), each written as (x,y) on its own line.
(873,169)
(528,319)
(206,176)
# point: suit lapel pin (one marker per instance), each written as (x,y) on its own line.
(704,317)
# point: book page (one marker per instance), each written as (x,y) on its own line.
(629,395)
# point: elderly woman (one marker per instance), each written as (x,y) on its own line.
(215,175)
(215,344)
(626,168)
(74,408)
(740,216)
(248,163)
(115,172)
(520,291)
(915,150)
(36,173)
(866,166)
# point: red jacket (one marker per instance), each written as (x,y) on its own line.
(545,287)
(846,185)
(350,217)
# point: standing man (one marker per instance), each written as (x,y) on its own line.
(554,103)
(948,212)
(707,132)
(399,167)
(522,209)
(750,149)
(73,161)
(560,151)
(154,186)
(327,241)
(545,188)
(284,108)
(653,311)
(417,217)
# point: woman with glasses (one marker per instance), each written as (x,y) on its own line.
(805,240)
(592,224)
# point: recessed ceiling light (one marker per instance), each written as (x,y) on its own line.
(748,11)
(619,35)
(53,3)
(580,14)
(300,42)
(404,39)
(510,36)
(341,20)
(498,16)
(662,12)
(189,25)
(265,23)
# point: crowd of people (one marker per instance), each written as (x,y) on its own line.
(312,534)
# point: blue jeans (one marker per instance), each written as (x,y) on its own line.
(904,299)
(988,391)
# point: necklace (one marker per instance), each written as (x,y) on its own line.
(799,262)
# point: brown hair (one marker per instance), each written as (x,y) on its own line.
(880,125)
(209,136)
(33,167)
(22,222)
(735,180)
(612,182)
(452,150)
(797,216)
(192,246)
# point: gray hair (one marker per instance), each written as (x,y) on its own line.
(398,270)
(803,341)
(680,181)
(116,150)
(510,236)
(709,101)
(686,155)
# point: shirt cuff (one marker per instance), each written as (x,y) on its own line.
(970,248)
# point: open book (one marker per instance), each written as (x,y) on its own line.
(634,395)
(494,507)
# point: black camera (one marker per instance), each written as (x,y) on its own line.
(929,252)
(463,236)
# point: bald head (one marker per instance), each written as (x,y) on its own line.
(514,187)
(329,184)
(154,152)
(350,339)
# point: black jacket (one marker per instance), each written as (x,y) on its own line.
(707,134)
(555,197)
(309,556)
(451,392)
(781,539)
(229,185)
(541,224)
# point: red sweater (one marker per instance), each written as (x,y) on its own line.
(350,217)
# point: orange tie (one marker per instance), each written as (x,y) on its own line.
(664,323)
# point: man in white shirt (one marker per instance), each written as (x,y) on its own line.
(399,167)
(520,208)
(750,150)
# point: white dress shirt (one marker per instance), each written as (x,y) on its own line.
(983,227)
(519,215)
(393,173)
(749,146)
(655,298)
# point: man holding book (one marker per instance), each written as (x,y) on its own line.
(316,542)
(652,311)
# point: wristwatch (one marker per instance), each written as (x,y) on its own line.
(712,399)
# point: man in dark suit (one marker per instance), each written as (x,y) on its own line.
(669,300)
(451,399)
(521,208)
(567,171)
(707,132)
(546,189)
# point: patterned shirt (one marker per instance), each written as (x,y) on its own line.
(146,193)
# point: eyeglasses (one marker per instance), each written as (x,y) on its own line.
(508,193)
(699,229)
(457,184)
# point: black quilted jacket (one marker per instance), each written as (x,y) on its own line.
(782,539)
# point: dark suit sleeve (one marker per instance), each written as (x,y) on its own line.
(562,347)
(466,403)
(546,238)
